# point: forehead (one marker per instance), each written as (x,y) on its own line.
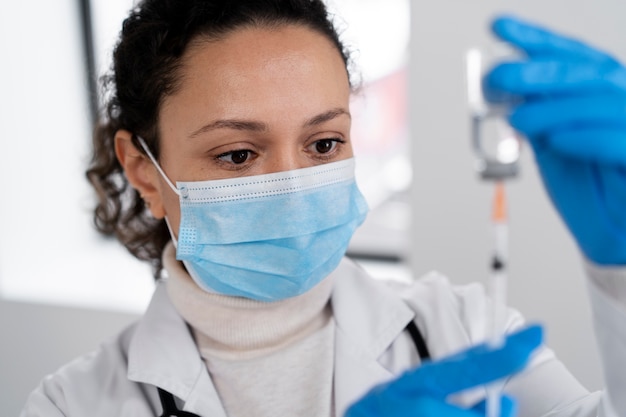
(254,64)
(250,44)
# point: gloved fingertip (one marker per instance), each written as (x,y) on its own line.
(540,145)
(508,406)
(524,35)
(500,23)
(518,120)
(529,337)
(497,80)
(507,27)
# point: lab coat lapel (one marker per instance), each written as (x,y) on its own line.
(368,319)
(162,353)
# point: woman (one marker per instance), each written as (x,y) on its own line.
(225,159)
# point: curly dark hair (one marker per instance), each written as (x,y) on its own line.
(145,70)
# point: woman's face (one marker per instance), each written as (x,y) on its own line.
(258,101)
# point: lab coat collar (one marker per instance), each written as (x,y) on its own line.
(163,353)
(368,317)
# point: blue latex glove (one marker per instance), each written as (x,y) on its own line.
(573,112)
(423,391)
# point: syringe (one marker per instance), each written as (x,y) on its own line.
(497,289)
(497,148)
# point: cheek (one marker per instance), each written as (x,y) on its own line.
(171,207)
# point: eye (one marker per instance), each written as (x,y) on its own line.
(326,145)
(235,157)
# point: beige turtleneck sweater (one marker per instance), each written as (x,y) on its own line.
(265,359)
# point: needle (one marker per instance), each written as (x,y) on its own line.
(497,289)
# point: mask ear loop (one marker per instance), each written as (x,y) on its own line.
(167,180)
(156,164)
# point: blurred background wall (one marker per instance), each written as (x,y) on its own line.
(451,207)
(63,289)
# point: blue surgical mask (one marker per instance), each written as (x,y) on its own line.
(267,237)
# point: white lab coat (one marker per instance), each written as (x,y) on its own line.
(371,347)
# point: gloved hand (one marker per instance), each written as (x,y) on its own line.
(573,112)
(423,391)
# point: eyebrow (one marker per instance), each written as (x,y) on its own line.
(234,124)
(255,126)
(326,116)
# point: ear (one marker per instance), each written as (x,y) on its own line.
(140,171)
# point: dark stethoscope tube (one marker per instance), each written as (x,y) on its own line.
(169,405)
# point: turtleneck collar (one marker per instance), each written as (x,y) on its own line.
(235,327)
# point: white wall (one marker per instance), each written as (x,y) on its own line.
(49,251)
(451,210)
(38,338)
